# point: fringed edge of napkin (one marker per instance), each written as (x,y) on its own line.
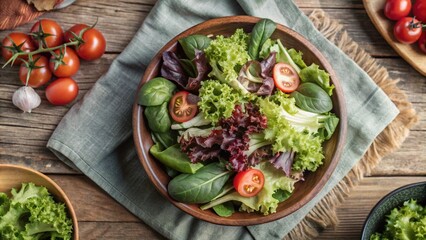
(324,215)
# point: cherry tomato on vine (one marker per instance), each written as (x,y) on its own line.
(39,75)
(70,60)
(183,106)
(422,42)
(249,182)
(285,77)
(419,10)
(407,30)
(16,42)
(47,31)
(62,91)
(92,44)
(397,9)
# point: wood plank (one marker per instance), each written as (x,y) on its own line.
(362,199)
(99,214)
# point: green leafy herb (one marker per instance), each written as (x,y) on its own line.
(225,209)
(315,75)
(155,92)
(261,32)
(192,42)
(174,158)
(201,186)
(158,118)
(32,213)
(312,98)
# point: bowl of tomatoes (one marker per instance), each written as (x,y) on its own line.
(231,124)
(401,23)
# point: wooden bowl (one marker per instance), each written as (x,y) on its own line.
(12,176)
(376,219)
(304,191)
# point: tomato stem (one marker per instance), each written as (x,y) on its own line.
(39,50)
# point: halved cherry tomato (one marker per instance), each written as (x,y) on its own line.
(285,77)
(422,42)
(70,60)
(39,75)
(62,91)
(419,10)
(49,32)
(249,182)
(397,9)
(23,43)
(183,106)
(407,30)
(93,43)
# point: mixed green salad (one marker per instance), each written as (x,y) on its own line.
(238,120)
(32,213)
(405,222)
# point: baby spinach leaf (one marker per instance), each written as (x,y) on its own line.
(155,92)
(192,42)
(261,32)
(225,209)
(165,139)
(312,98)
(318,76)
(200,187)
(158,118)
(174,158)
(330,125)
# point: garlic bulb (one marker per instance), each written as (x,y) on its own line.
(26,99)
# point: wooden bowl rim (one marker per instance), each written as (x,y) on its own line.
(56,186)
(143,154)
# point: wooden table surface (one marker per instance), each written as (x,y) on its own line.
(23,137)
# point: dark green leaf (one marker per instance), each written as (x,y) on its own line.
(315,75)
(312,98)
(261,32)
(200,187)
(175,159)
(166,139)
(158,118)
(281,195)
(155,92)
(190,43)
(225,209)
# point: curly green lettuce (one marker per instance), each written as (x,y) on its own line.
(226,56)
(217,100)
(406,222)
(32,213)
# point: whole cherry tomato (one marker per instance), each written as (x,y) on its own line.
(92,44)
(62,91)
(16,42)
(48,32)
(249,182)
(419,10)
(285,77)
(397,9)
(39,75)
(70,60)
(407,30)
(422,42)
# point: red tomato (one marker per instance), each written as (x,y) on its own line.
(407,30)
(249,182)
(49,32)
(183,106)
(92,44)
(397,9)
(71,66)
(39,75)
(419,10)
(285,77)
(422,42)
(62,91)
(18,38)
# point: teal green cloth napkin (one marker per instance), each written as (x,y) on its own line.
(95,136)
